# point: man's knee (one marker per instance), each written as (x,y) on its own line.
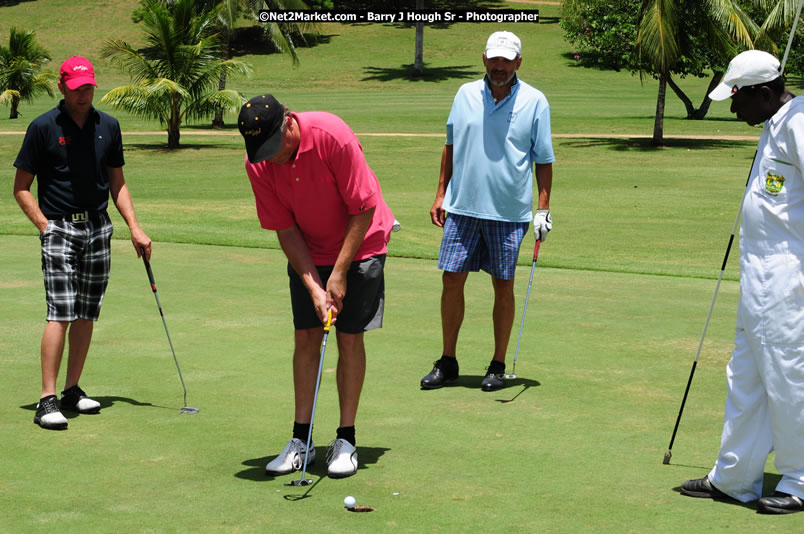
(454,281)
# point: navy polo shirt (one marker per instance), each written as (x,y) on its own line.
(70,162)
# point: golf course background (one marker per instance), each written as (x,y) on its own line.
(621,291)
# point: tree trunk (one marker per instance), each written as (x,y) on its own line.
(15,104)
(701,112)
(217,122)
(418,61)
(658,124)
(681,96)
(174,122)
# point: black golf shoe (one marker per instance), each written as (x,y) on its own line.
(780,503)
(48,414)
(494,378)
(444,370)
(76,400)
(702,488)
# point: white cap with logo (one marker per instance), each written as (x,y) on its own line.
(748,68)
(504,44)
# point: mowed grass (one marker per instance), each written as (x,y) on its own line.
(575,443)
(619,298)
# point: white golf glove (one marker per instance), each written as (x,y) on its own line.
(542,223)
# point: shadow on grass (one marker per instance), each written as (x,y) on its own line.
(769,482)
(105,402)
(473,382)
(644,144)
(161,148)
(405,72)
(256,466)
(251,40)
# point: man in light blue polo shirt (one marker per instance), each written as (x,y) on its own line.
(498,128)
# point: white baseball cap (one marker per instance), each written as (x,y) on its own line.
(748,68)
(504,44)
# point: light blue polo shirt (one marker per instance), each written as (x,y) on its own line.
(494,148)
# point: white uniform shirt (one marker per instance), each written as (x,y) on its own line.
(772,233)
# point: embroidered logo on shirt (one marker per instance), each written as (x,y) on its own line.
(774,184)
(512,116)
(64,140)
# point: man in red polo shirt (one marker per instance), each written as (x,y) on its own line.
(313,187)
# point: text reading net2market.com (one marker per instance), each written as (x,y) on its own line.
(425,16)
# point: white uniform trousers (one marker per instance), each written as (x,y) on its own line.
(764,411)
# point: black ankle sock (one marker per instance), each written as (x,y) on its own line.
(300,431)
(347,433)
(451,361)
(496,367)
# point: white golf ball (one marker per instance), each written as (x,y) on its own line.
(349,502)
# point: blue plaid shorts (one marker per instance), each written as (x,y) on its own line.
(76,261)
(471,244)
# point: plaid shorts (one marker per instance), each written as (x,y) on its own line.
(471,244)
(363,304)
(76,260)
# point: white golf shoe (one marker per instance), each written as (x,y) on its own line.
(291,458)
(341,459)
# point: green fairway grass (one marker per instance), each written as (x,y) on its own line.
(575,444)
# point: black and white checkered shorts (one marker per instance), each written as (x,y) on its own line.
(76,260)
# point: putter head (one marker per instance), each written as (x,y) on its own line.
(509,376)
(300,482)
(667,457)
(189,410)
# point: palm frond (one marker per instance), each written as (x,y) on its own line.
(657,38)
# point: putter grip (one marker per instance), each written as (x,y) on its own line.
(148,269)
(536,250)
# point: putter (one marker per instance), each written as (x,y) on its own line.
(307,481)
(512,375)
(669,453)
(186,409)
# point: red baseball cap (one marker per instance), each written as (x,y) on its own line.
(77,71)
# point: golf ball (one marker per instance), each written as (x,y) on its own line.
(349,502)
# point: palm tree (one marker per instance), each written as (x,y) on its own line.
(21,77)
(665,36)
(280,35)
(176,74)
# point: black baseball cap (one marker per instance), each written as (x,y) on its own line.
(260,124)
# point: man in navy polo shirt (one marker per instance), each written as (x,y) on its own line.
(76,154)
(498,128)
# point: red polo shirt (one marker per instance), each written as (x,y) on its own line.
(328,181)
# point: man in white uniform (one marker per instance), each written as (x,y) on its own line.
(765,399)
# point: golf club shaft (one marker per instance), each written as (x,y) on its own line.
(527,297)
(164,322)
(792,35)
(709,315)
(315,396)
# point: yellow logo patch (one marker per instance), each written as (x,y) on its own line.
(774,184)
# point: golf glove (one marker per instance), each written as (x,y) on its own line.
(542,223)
